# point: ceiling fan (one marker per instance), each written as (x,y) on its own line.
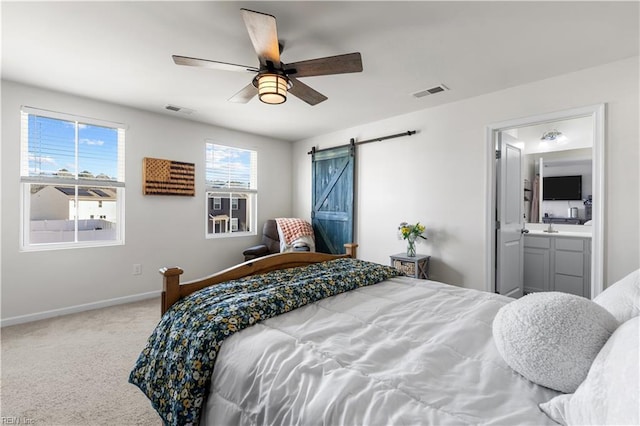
(274,78)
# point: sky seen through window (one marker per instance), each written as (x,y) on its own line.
(53,144)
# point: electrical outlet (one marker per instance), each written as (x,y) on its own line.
(137,269)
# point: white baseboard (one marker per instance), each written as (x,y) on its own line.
(78,308)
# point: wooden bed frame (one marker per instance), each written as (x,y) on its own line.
(173,290)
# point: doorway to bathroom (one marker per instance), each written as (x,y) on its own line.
(557,145)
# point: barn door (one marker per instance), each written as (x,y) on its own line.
(332,186)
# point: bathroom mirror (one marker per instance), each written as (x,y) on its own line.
(557,171)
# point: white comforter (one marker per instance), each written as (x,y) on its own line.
(404,351)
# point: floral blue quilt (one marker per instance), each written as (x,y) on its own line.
(174,370)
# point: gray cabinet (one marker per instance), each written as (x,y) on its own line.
(537,261)
(557,263)
(416,266)
(572,265)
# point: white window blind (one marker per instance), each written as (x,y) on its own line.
(232,168)
(62,148)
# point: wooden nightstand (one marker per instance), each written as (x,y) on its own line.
(417,266)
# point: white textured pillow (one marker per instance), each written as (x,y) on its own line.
(552,338)
(611,391)
(622,298)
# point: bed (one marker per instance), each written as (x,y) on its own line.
(395,351)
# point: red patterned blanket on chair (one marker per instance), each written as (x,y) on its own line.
(293,228)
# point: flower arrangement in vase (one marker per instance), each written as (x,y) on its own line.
(410,233)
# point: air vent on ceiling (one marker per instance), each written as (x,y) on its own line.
(181,110)
(430,91)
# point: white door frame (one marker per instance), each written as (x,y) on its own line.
(597,112)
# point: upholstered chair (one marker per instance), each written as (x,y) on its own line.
(270,242)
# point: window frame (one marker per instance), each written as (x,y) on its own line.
(26,181)
(250,194)
(217,203)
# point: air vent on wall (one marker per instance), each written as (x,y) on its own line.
(181,110)
(431,91)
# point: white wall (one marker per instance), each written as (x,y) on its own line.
(160,230)
(49,203)
(438,176)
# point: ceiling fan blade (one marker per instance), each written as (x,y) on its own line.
(244,95)
(306,93)
(264,35)
(340,64)
(196,62)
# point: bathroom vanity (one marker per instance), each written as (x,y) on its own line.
(557,262)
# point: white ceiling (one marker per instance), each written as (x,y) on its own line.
(577,133)
(121,52)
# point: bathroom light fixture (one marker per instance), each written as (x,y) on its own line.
(551,135)
(272,88)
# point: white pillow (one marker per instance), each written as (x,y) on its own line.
(622,298)
(610,395)
(552,338)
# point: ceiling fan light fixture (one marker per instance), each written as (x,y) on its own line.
(271,80)
(272,88)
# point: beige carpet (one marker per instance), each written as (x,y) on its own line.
(73,370)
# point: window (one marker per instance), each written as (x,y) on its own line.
(72,171)
(217,203)
(231,182)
